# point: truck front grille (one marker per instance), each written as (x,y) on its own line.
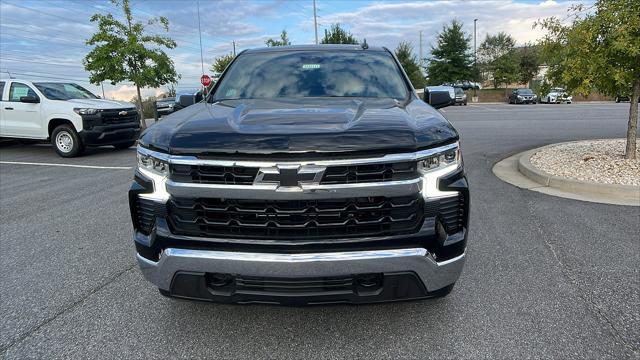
(117,116)
(206,174)
(297,219)
(353,174)
(348,174)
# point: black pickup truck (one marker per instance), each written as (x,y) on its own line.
(309,174)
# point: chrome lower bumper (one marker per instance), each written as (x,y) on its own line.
(434,275)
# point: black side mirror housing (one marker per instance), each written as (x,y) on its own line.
(29,99)
(439,96)
(185,100)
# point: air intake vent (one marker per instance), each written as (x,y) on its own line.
(449,210)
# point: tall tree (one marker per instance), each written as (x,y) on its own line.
(283,41)
(497,58)
(599,50)
(338,35)
(529,63)
(221,62)
(404,53)
(125,52)
(450,58)
(506,68)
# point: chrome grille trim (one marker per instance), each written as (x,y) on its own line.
(389,158)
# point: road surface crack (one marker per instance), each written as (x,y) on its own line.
(567,272)
(64,310)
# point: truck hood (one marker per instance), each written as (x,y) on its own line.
(99,103)
(300,126)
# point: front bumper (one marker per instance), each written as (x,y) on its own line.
(109,135)
(187,273)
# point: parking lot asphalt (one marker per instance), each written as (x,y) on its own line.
(545,277)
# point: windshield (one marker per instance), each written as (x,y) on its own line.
(459,91)
(64,91)
(525,91)
(296,74)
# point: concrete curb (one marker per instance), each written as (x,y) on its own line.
(616,191)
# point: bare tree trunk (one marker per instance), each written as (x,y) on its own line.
(632,129)
(143,123)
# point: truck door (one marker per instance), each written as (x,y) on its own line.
(21,119)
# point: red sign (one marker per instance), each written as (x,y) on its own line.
(205,80)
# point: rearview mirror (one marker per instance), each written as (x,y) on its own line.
(29,99)
(439,96)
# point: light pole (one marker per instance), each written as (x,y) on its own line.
(315,21)
(475,61)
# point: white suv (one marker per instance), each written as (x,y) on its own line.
(67,114)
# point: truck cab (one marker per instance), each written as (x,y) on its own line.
(66,114)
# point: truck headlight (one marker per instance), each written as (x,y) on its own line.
(439,164)
(85,111)
(152,164)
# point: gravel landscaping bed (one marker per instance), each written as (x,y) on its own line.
(600,161)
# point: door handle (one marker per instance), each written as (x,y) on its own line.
(8,108)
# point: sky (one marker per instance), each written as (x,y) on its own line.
(45,39)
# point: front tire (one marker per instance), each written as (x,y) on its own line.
(125,145)
(617,99)
(66,142)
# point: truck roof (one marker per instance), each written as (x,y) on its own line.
(329,47)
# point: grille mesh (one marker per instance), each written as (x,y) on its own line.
(298,219)
(369,173)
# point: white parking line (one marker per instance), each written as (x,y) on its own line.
(67,165)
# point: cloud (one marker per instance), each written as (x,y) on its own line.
(127,92)
(47,38)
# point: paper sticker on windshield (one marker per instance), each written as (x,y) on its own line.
(230,92)
(310,66)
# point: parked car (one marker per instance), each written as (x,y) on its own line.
(290,185)
(461,97)
(557,96)
(522,96)
(466,85)
(68,115)
(165,106)
(620,98)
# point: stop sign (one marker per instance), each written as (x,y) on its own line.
(205,80)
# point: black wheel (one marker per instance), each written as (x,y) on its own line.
(443,292)
(617,99)
(125,145)
(66,141)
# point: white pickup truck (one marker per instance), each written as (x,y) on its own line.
(68,115)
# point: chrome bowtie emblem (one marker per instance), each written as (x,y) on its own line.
(290,175)
(123,113)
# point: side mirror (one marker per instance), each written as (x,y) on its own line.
(186,100)
(29,99)
(439,96)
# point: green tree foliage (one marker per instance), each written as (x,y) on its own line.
(125,52)
(506,69)
(283,41)
(338,35)
(404,53)
(599,50)
(450,58)
(221,62)
(529,58)
(498,59)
